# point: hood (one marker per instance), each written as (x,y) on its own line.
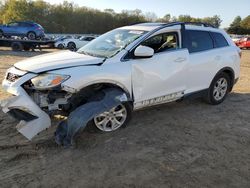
(57,60)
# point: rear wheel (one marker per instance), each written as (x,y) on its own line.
(17,46)
(31,35)
(26,48)
(218,89)
(72,46)
(60,46)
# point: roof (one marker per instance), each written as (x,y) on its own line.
(143,26)
(154,25)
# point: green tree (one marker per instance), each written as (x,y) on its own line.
(150,16)
(245,23)
(240,26)
(165,19)
(235,27)
(185,18)
(70,18)
(215,20)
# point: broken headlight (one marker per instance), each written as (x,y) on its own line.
(46,81)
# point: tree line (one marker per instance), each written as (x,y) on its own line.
(71,18)
(240,26)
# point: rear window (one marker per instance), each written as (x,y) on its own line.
(23,24)
(199,41)
(219,40)
(88,38)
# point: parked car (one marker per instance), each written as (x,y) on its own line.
(244,43)
(152,63)
(75,43)
(31,30)
(235,39)
(59,42)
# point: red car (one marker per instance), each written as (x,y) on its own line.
(244,43)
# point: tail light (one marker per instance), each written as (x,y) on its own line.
(39,28)
(240,53)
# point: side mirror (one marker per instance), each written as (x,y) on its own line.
(144,52)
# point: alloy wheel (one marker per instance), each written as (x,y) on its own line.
(111,120)
(220,89)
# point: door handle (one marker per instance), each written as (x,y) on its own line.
(180,59)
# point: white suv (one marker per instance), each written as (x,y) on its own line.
(152,63)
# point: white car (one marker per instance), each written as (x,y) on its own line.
(152,63)
(59,42)
(236,38)
(75,43)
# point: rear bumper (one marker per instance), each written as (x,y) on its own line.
(236,80)
(32,118)
(39,33)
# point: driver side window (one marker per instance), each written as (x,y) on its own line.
(163,42)
(12,24)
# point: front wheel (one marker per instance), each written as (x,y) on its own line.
(31,36)
(72,46)
(113,119)
(60,46)
(218,89)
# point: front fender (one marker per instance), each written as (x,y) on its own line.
(113,73)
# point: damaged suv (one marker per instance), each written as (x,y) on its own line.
(152,63)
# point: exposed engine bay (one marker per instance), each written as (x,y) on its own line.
(58,101)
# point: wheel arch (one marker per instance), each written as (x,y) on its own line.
(92,88)
(109,83)
(31,32)
(70,42)
(230,72)
(27,34)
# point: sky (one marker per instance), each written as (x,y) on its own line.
(227,9)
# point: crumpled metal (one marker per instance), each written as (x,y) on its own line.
(78,119)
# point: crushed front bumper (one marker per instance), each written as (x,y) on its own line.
(32,118)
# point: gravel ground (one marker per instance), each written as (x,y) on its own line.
(187,144)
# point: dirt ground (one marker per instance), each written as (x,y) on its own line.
(187,144)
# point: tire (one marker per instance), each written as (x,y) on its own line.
(1,34)
(31,35)
(26,48)
(72,46)
(94,127)
(17,46)
(218,89)
(60,46)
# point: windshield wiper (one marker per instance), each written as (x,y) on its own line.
(89,54)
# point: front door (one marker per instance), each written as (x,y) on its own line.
(161,78)
(11,28)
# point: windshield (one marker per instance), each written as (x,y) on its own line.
(109,44)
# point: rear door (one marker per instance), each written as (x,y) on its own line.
(161,78)
(203,60)
(24,28)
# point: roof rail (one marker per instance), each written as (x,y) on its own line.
(190,23)
(199,24)
(175,23)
